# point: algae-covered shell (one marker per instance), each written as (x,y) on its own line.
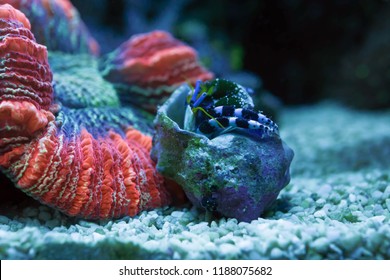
(232,174)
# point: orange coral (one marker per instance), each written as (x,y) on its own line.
(57,25)
(149,67)
(57,160)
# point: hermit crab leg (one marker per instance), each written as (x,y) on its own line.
(246,114)
(213,125)
(200,99)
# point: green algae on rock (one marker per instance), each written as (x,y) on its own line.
(232,174)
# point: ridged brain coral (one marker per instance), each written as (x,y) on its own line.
(148,67)
(86,162)
(26,92)
(57,25)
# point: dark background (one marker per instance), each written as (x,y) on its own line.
(304,51)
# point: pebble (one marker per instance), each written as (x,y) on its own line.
(4,220)
(354,207)
(97,237)
(320,214)
(30,212)
(320,202)
(349,242)
(362,199)
(5,227)
(44,216)
(213,236)
(151,245)
(177,214)
(386,192)
(254,255)
(320,244)
(296,209)
(228,250)
(336,249)
(388,204)
(231,224)
(100,231)
(376,195)
(276,253)
(325,190)
(352,197)
(245,245)
(53,223)
(199,228)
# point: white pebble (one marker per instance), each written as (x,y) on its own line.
(152,245)
(199,228)
(350,241)
(4,228)
(320,244)
(177,214)
(377,219)
(321,202)
(386,193)
(320,214)
(276,253)
(228,250)
(388,203)
(245,245)
(324,191)
(97,237)
(377,195)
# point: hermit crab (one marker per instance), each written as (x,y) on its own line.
(228,158)
(221,106)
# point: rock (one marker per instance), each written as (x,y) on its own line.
(233,174)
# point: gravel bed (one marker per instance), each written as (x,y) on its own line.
(336,207)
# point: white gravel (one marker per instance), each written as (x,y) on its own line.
(336,207)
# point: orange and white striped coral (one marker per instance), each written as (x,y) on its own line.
(148,67)
(73,160)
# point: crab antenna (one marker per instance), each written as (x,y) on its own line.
(196,91)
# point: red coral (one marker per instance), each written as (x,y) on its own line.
(152,65)
(56,160)
(57,25)
(25,79)
(7,12)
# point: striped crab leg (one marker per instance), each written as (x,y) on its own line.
(247,114)
(213,125)
(229,116)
